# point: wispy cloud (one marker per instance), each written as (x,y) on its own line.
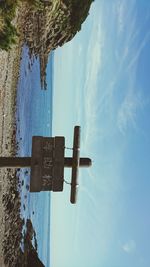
(138,51)
(124,12)
(127,114)
(106,81)
(94,63)
(129,247)
(98,96)
(121,10)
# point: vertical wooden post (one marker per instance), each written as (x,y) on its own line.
(75,164)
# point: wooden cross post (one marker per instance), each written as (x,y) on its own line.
(47,163)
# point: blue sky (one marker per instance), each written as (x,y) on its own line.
(101,82)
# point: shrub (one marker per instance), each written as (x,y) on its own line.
(8,33)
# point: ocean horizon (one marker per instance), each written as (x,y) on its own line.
(34,117)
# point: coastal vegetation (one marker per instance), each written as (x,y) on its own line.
(8,32)
(46,25)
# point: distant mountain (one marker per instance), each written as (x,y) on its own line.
(52,26)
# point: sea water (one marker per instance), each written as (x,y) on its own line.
(34,117)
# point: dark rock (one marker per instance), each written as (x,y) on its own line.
(27,187)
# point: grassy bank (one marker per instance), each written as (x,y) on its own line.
(8,32)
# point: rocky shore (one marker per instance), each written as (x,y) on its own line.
(14,235)
(53,26)
(9,62)
(11,222)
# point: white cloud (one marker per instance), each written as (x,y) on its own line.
(96,50)
(121,10)
(124,12)
(129,247)
(138,51)
(94,55)
(127,114)
(124,113)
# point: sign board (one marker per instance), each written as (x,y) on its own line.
(47,164)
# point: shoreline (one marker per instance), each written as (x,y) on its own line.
(8,90)
(9,74)
(12,224)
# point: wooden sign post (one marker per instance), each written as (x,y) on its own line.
(48,161)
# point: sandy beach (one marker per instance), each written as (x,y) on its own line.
(9,199)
